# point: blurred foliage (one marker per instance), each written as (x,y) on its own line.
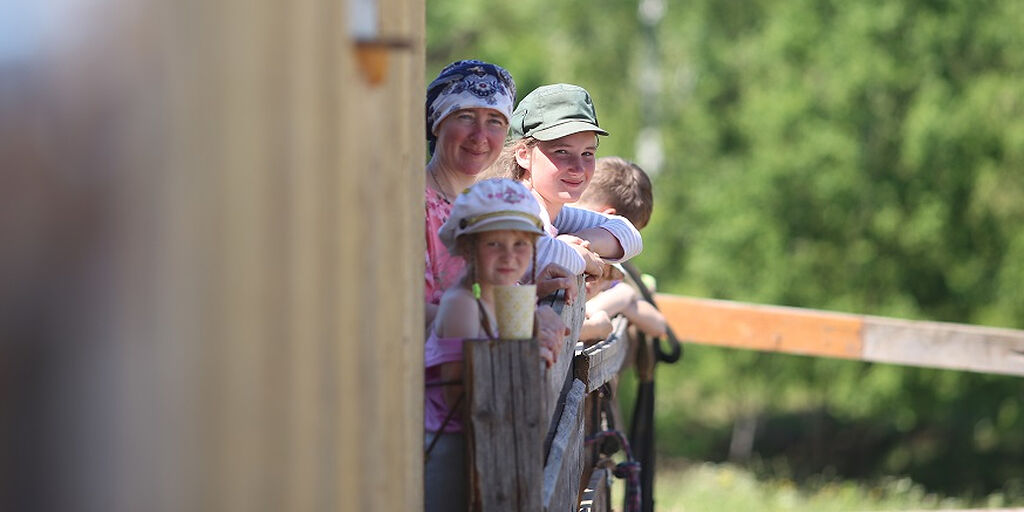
(727,488)
(865,157)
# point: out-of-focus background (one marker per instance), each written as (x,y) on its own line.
(864,157)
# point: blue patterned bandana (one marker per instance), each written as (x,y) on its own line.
(468,84)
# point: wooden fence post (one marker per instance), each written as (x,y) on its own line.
(504,434)
(525,427)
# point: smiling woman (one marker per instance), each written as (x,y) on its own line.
(467,111)
(559,170)
(552,151)
(469,141)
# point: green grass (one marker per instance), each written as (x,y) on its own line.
(728,488)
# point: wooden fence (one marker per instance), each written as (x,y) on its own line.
(845,336)
(527,424)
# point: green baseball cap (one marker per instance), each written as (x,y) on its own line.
(554,111)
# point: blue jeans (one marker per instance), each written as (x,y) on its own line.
(445,479)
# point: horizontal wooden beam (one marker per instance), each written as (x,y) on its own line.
(769,328)
(840,335)
(598,363)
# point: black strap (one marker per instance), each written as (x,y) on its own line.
(675,348)
(437,435)
(484,321)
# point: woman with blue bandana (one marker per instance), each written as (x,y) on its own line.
(468,109)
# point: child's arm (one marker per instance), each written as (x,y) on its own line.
(551,250)
(611,236)
(550,331)
(647,318)
(457,317)
(429,313)
(597,326)
(594,264)
(613,301)
(623,299)
(555,277)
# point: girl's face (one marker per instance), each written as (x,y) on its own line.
(503,256)
(469,140)
(560,170)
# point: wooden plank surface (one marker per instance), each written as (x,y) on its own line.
(770,328)
(600,362)
(558,378)
(943,345)
(564,464)
(595,496)
(828,334)
(190,185)
(504,437)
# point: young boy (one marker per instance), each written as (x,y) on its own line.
(620,188)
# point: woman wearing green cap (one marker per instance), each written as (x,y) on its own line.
(551,149)
(468,107)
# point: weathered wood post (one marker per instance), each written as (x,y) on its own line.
(525,428)
(211,267)
(505,432)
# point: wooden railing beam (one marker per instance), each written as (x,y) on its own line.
(846,336)
(599,363)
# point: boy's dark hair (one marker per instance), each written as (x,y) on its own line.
(622,185)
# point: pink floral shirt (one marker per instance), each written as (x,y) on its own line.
(443,269)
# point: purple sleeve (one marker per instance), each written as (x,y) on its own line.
(438,351)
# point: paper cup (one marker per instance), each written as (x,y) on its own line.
(514,306)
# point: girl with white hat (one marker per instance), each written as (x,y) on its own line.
(493,227)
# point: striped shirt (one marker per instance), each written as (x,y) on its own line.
(573,220)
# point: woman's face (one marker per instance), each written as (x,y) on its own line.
(503,256)
(560,170)
(469,140)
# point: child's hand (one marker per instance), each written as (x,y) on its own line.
(574,240)
(595,265)
(597,326)
(555,277)
(551,332)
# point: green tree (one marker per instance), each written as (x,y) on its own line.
(865,157)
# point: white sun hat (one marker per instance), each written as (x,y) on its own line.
(491,205)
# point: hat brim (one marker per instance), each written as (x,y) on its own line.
(495,224)
(567,128)
(499,223)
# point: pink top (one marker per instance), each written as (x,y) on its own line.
(436,352)
(443,269)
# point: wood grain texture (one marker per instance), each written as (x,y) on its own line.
(595,496)
(564,463)
(599,363)
(503,383)
(944,345)
(247,244)
(769,328)
(558,378)
(827,334)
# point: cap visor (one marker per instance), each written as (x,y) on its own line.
(499,223)
(567,128)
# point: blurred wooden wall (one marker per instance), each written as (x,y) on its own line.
(210,258)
